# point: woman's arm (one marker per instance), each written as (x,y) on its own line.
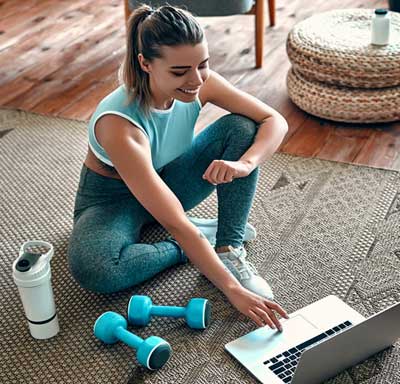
(272,126)
(127,145)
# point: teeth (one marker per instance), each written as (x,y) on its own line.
(187,90)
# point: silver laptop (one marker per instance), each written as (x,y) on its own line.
(317,342)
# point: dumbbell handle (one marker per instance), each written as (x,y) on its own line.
(159,310)
(127,337)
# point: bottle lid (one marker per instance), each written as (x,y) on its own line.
(30,268)
(381,11)
(27,261)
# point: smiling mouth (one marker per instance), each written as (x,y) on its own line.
(189,91)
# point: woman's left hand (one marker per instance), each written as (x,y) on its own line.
(223,171)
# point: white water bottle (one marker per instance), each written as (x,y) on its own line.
(32,275)
(380,28)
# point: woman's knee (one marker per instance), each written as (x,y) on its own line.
(90,264)
(241,126)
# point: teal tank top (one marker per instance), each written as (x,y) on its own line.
(170,132)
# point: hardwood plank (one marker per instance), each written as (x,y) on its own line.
(382,147)
(44,15)
(343,143)
(51,41)
(47,12)
(82,53)
(295,119)
(308,138)
(79,87)
(85,105)
(11,8)
(63,78)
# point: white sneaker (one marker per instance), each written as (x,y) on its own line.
(245,272)
(209,229)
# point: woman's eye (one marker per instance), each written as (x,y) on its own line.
(183,73)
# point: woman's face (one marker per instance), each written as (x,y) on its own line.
(181,72)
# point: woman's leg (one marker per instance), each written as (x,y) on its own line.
(228,138)
(104,253)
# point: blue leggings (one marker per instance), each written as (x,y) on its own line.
(103,252)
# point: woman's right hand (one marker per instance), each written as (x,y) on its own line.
(260,310)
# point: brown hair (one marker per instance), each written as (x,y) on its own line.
(148,29)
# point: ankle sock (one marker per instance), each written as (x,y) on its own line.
(209,229)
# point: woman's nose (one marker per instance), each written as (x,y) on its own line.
(196,79)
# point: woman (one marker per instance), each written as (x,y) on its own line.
(145,165)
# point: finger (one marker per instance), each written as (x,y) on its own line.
(273,318)
(255,318)
(222,175)
(264,316)
(209,169)
(229,175)
(214,174)
(276,307)
(207,173)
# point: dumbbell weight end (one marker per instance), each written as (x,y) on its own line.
(153,352)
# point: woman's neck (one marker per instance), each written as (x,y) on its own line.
(163,105)
(159,100)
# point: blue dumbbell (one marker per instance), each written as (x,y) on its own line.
(197,313)
(153,352)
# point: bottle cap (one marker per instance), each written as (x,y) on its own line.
(30,268)
(381,11)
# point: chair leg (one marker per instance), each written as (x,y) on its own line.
(127,11)
(259,28)
(271,9)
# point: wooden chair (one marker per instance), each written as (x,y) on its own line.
(257,9)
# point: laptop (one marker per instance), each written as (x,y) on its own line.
(317,342)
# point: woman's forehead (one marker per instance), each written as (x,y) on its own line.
(177,55)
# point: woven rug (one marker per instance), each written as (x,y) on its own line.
(323,228)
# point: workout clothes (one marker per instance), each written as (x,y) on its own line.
(170,132)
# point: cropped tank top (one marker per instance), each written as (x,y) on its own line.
(170,132)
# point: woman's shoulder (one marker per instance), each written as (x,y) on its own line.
(117,102)
(116,109)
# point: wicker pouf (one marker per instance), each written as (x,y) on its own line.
(352,105)
(334,47)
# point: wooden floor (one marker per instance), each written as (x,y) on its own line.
(61,57)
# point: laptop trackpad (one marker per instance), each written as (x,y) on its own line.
(262,341)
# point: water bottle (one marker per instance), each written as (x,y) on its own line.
(380,31)
(32,275)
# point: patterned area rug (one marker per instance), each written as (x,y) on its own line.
(323,228)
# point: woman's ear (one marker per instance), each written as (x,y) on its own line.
(144,64)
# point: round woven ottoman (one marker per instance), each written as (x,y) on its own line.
(334,47)
(352,105)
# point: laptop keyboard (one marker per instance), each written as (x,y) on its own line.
(284,364)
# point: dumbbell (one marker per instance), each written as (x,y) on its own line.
(197,313)
(153,352)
